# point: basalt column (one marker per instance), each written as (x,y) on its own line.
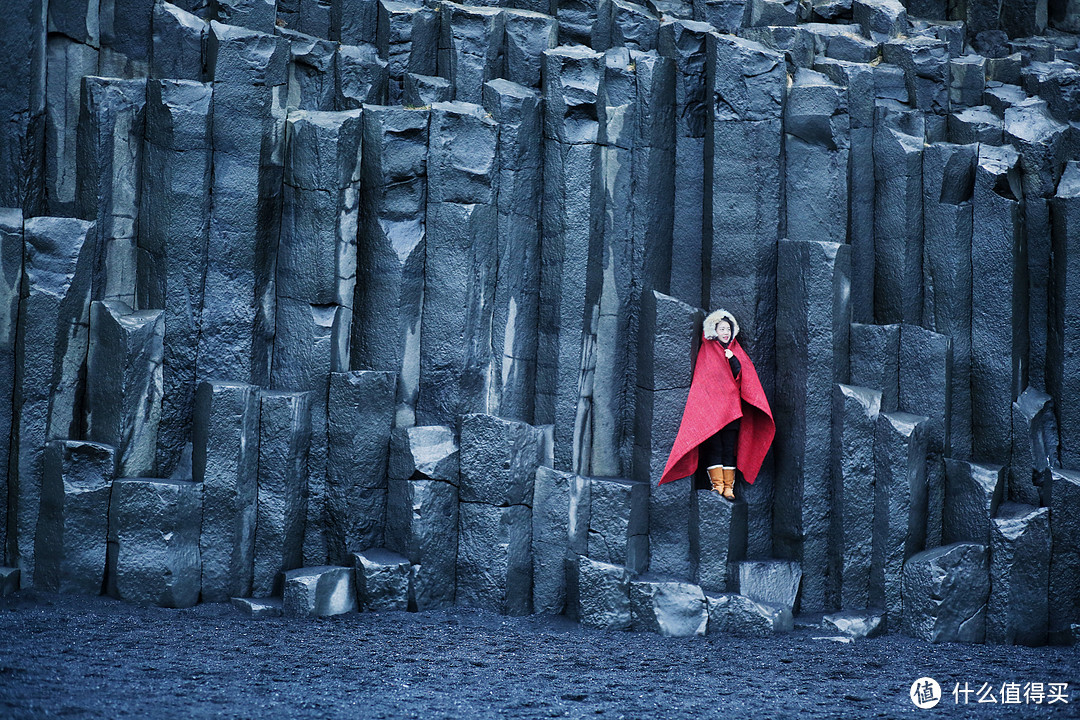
(69,58)
(1040,140)
(746,85)
(816,143)
(999,333)
(390,251)
(898,225)
(570,273)
(124,383)
(812,325)
(470,45)
(1063,366)
(316,278)
(174,220)
(407,37)
(671,335)
(11,279)
(50,352)
(109,151)
(858,79)
(22,95)
(684,42)
(636,257)
(249,71)
(517,283)
(948,184)
(460,264)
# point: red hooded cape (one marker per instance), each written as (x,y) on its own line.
(715,400)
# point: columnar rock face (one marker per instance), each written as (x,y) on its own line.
(422,511)
(945,593)
(499,460)
(315,282)
(282,495)
(109,155)
(225,434)
(360,77)
(816,143)
(925,387)
(1064,600)
(899,505)
(460,264)
(552,504)
(22,142)
(74,520)
(470,40)
(361,412)
(407,36)
(673,333)
(172,246)
(249,75)
(570,269)
(999,333)
(11,279)
(745,95)
(855,411)
(619,522)
(390,251)
(814,320)
(527,35)
(684,42)
(635,153)
(875,361)
(50,347)
(898,226)
(153,550)
(517,294)
(1017,609)
(67,61)
(312,83)
(948,186)
(376,229)
(776,582)
(1062,379)
(177,44)
(124,383)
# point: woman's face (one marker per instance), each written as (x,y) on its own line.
(723,330)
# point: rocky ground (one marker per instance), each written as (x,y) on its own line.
(96,657)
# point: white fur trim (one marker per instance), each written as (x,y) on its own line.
(714,319)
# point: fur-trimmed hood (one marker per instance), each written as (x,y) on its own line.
(714,319)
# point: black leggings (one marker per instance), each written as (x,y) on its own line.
(720,448)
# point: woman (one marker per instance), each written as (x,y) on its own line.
(727,417)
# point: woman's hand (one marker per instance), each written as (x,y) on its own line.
(728,353)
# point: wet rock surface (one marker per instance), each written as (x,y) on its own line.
(96,657)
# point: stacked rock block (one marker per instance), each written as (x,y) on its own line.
(285,258)
(422,511)
(499,460)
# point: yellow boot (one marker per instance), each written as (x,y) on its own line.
(729,483)
(716,477)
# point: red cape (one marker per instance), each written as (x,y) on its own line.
(715,400)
